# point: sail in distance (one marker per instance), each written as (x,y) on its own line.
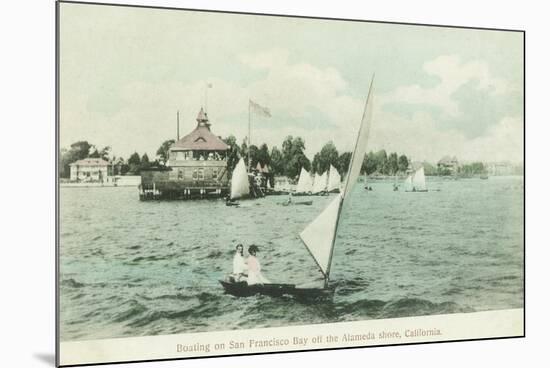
(304,182)
(239,181)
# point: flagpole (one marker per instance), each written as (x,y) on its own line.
(249,161)
(206,99)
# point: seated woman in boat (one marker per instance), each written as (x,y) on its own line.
(254,269)
(240,268)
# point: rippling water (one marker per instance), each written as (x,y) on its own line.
(131,268)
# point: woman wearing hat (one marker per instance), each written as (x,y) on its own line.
(254,269)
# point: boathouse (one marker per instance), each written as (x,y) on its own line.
(196,167)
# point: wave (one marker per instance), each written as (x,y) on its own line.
(72,283)
(407,307)
(135,309)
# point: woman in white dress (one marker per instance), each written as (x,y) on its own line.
(240,269)
(254,268)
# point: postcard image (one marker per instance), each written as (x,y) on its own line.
(233,183)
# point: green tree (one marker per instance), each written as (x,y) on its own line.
(94,153)
(380,160)
(78,151)
(134,163)
(429,169)
(316,162)
(232,154)
(369,164)
(326,157)
(392,164)
(277,162)
(294,156)
(253,155)
(263,155)
(164,150)
(145,163)
(403,163)
(343,163)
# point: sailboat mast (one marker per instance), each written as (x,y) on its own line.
(327,273)
(350,181)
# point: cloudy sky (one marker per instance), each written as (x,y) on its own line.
(438,91)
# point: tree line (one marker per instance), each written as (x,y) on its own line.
(287,160)
(290,158)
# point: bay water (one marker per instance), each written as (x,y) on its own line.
(132,268)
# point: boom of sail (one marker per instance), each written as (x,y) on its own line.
(239,181)
(320,235)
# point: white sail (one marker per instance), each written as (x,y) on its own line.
(408,183)
(419,180)
(334,179)
(320,183)
(358,153)
(239,181)
(319,235)
(304,182)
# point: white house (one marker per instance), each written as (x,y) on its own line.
(90,169)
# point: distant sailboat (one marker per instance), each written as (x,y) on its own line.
(305,185)
(367,187)
(240,186)
(416,182)
(320,235)
(334,180)
(320,183)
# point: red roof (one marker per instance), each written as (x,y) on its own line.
(91,162)
(201,139)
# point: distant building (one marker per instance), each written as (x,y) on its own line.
(197,165)
(503,168)
(90,169)
(448,164)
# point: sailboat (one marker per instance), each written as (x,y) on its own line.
(320,235)
(366,183)
(305,185)
(416,182)
(334,180)
(320,184)
(240,186)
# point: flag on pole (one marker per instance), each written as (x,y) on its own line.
(260,110)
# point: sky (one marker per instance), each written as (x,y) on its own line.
(125,72)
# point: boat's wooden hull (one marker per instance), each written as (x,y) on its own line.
(242,289)
(303,203)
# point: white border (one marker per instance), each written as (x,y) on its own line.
(27,234)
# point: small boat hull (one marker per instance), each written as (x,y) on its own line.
(242,289)
(303,203)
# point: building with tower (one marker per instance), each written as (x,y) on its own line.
(196,167)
